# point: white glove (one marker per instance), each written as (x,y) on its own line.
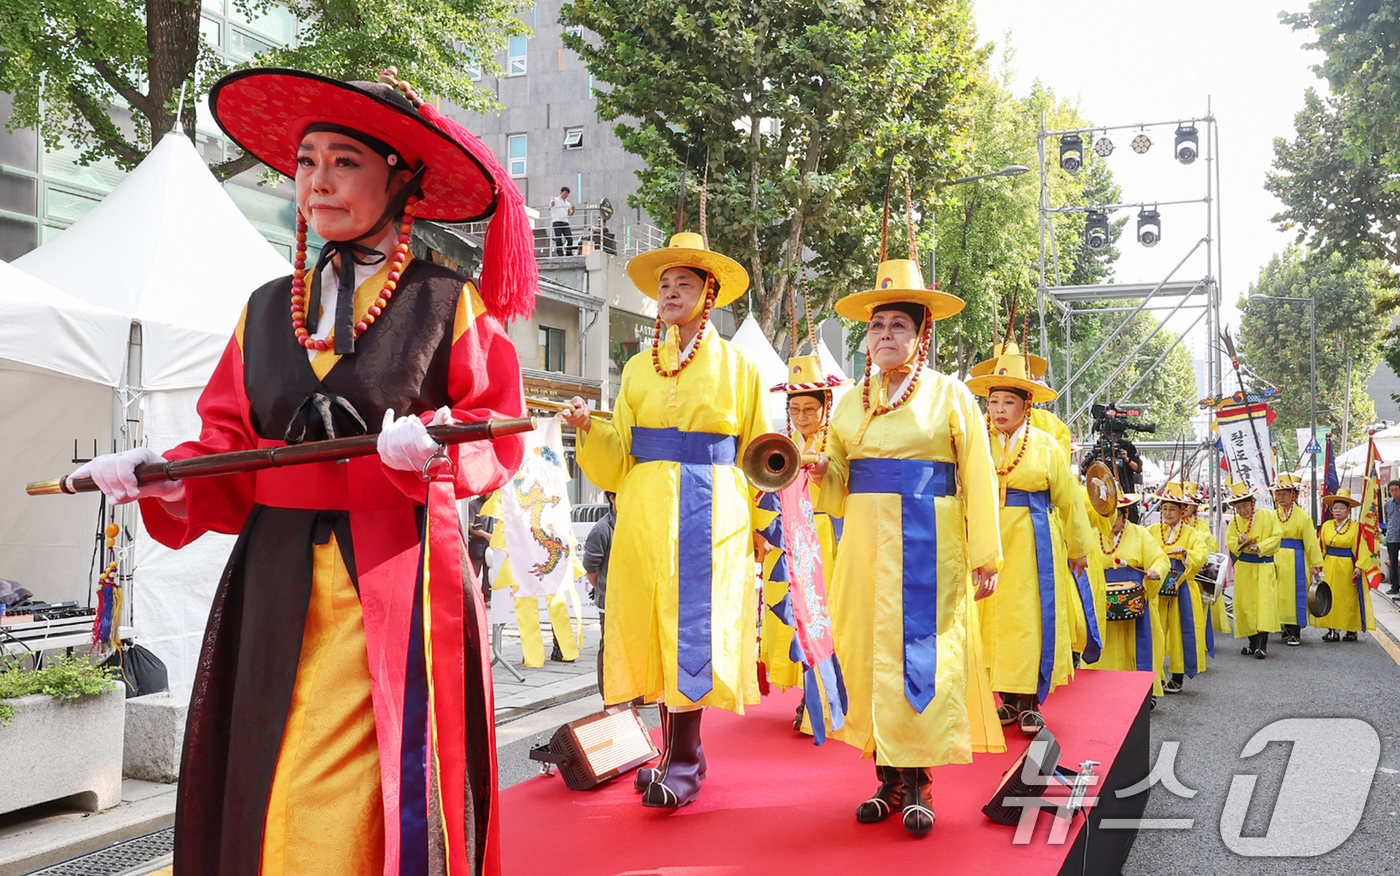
(115,475)
(404,443)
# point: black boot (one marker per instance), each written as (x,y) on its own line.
(1261,646)
(915,792)
(646,775)
(680,783)
(887,798)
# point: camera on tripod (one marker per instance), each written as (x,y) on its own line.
(1111,422)
(1111,426)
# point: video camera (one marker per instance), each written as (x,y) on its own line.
(1109,422)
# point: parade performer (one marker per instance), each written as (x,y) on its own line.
(341,719)
(809,393)
(906,637)
(1252,539)
(1027,624)
(681,621)
(1126,569)
(1299,557)
(1037,368)
(1346,561)
(1184,621)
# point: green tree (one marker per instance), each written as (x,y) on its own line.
(1274,336)
(68,64)
(797,113)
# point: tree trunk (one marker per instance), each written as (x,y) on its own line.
(172,39)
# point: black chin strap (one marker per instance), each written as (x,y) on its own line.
(353,252)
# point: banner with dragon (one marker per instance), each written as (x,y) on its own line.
(537,516)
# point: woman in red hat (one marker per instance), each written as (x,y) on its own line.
(341,718)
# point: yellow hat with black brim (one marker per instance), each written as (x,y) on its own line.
(688,250)
(898,281)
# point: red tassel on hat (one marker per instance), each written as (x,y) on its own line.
(510,277)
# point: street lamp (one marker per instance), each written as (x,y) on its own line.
(1312,363)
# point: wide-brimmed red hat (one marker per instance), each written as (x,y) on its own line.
(266,111)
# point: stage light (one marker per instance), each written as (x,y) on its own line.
(1028,777)
(1187,143)
(1103,147)
(1071,153)
(598,748)
(1096,235)
(1149,227)
(1141,143)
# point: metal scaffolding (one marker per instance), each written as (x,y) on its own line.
(1169,296)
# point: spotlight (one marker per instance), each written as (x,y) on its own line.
(598,748)
(1096,235)
(1029,777)
(1103,147)
(1141,144)
(1187,143)
(1071,153)
(1149,227)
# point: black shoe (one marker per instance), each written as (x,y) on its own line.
(1349,637)
(887,797)
(1261,654)
(681,783)
(797,718)
(1173,686)
(1247,650)
(1394,591)
(918,803)
(646,775)
(1331,636)
(1292,640)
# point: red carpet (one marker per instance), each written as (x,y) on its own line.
(773,803)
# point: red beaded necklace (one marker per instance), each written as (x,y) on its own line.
(396,262)
(1025,440)
(1111,552)
(1283,517)
(699,336)
(925,338)
(1175,534)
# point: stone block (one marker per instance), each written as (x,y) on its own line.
(155,735)
(58,748)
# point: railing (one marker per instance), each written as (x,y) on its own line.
(585,233)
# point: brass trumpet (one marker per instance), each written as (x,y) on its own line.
(772,461)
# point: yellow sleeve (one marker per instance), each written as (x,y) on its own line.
(1232,536)
(831,498)
(1153,560)
(978,477)
(1312,548)
(1064,495)
(1195,550)
(605,449)
(1270,533)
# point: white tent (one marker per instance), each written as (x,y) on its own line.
(170,250)
(749,338)
(60,358)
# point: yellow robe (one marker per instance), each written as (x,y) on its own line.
(939,421)
(1286,562)
(719,392)
(1187,545)
(1048,422)
(1011,617)
(1136,549)
(1256,585)
(776,641)
(1201,525)
(1340,574)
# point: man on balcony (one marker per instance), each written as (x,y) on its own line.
(559,212)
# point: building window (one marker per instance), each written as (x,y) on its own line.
(474,72)
(515,154)
(516,51)
(573,138)
(552,348)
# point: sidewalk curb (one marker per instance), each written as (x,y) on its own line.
(544,697)
(61,842)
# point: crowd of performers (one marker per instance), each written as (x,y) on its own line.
(341,719)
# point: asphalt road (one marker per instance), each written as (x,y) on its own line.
(1219,712)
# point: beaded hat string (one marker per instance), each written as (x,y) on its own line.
(700,335)
(386,294)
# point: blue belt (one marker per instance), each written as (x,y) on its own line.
(1254,558)
(1039,505)
(697,453)
(1300,581)
(1187,613)
(1341,552)
(1143,633)
(917,482)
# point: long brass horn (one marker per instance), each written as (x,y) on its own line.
(772,461)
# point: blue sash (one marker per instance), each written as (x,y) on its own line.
(1341,552)
(1143,633)
(1300,581)
(1039,505)
(1187,613)
(697,453)
(1254,558)
(918,483)
(1093,649)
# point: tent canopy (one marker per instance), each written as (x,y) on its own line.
(170,249)
(46,328)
